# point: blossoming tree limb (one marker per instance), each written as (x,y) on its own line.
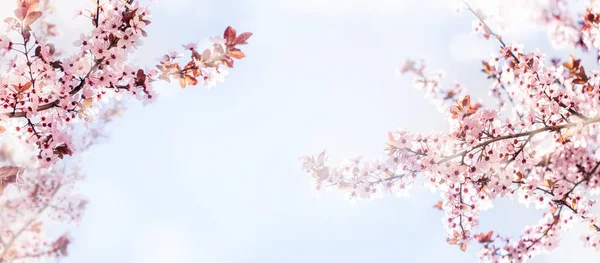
(543,147)
(54,105)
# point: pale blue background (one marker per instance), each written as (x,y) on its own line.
(213,175)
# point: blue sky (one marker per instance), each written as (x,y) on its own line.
(213,175)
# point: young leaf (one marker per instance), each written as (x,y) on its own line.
(8,175)
(32,17)
(242,38)
(229,35)
(236,53)
(87,103)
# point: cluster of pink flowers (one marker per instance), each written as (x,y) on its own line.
(54,106)
(42,195)
(545,152)
(44,93)
(563,28)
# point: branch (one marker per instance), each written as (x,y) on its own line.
(26,225)
(55,103)
(511,136)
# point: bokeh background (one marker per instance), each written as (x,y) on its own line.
(213,175)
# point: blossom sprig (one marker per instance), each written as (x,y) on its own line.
(34,197)
(205,65)
(31,197)
(43,93)
(54,104)
(431,84)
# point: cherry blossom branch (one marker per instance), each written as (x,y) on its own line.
(489,30)
(510,98)
(512,54)
(55,103)
(559,100)
(16,235)
(72,86)
(517,135)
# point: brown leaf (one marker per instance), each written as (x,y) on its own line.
(466,101)
(242,38)
(140,78)
(56,64)
(519,177)
(62,150)
(449,94)
(483,237)
(11,20)
(8,175)
(322,174)
(489,235)
(229,35)
(27,34)
(87,103)
(229,62)
(564,138)
(196,55)
(30,4)
(127,16)
(582,78)
(25,87)
(463,247)
(20,13)
(391,137)
(82,204)
(236,53)
(487,68)
(206,54)
(35,191)
(32,17)
(61,245)
(36,227)
(438,205)
(548,183)
(574,64)
(22,87)
(191,80)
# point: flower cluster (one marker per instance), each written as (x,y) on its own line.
(545,152)
(54,105)
(43,94)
